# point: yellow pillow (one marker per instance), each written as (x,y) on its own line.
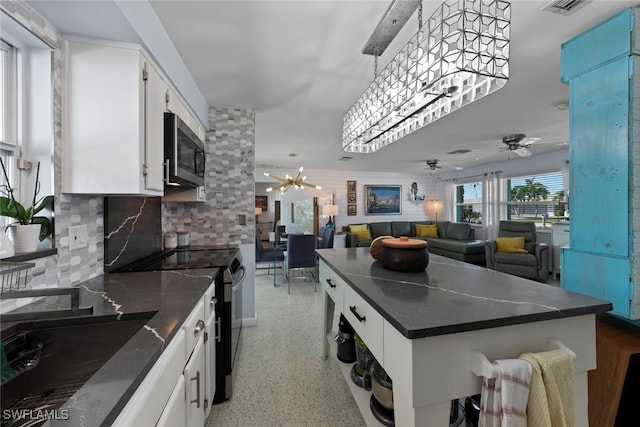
(514,245)
(426,230)
(362,231)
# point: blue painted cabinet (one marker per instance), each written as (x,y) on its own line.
(598,66)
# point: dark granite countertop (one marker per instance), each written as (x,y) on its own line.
(164,297)
(451,296)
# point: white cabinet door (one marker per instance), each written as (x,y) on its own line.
(104,150)
(210,361)
(194,376)
(174,413)
(147,403)
(155,90)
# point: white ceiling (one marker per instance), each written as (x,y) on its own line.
(298,65)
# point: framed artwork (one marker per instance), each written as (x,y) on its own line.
(262,202)
(351,186)
(352,210)
(382,199)
(351,198)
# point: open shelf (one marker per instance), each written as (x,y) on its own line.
(360,395)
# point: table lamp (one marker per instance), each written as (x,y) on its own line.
(331,210)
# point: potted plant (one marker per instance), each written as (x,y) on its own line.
(40,227)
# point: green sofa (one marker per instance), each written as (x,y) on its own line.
(455,239)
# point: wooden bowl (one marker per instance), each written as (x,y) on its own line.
(404,254)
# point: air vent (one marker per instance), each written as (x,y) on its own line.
(565,7)
(460,151)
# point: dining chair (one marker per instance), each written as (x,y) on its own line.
(270,256)
(327,238)
(279,243)
(300,254)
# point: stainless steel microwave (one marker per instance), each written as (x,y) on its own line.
(184,154)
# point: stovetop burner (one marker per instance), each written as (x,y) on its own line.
(186,258)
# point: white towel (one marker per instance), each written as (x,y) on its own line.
(504,398)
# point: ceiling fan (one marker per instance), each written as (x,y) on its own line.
(518,143)
(433,164)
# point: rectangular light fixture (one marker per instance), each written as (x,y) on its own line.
(460,55)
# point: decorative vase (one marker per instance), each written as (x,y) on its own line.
(25,237)
(404,254)
(6,248)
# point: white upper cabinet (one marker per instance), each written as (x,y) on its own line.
(114,139)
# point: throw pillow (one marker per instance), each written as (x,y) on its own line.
(362,231)
(426,230)
(514,245)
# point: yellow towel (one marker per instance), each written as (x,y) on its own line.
(551,398)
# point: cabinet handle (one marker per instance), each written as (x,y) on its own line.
(330,283)
(213,301)
(219,328)
(197,380)
(199,327)
(355,313)
(166,171)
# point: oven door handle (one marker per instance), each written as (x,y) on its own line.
(239,282)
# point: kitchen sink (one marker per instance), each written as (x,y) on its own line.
(47,362)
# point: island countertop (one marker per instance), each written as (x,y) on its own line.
(164,297)
(451,296)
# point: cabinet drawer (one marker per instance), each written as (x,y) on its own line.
(365,320)
(193,328)
(332,284)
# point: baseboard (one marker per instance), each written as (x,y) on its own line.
(249,321)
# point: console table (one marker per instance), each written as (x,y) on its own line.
(425,328)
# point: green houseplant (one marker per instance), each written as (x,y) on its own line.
(11,208)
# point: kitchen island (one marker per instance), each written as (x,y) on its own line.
(425,328)
(165,298)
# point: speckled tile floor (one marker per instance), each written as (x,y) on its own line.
(282,378)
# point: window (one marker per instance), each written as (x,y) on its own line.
(469,202)
(532,198)
(8,109)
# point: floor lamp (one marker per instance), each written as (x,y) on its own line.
(331,210)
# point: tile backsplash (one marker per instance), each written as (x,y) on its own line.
(229,184)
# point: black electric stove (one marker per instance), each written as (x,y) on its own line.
(228,290)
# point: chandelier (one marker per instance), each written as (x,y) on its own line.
(460,55)
(287,182)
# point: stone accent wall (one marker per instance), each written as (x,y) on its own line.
(229,183)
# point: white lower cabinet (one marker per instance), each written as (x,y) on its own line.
(176,408)
(175,391)
(194,377)
(211,335)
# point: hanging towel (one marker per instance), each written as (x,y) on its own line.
(504,399)
(551,394)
